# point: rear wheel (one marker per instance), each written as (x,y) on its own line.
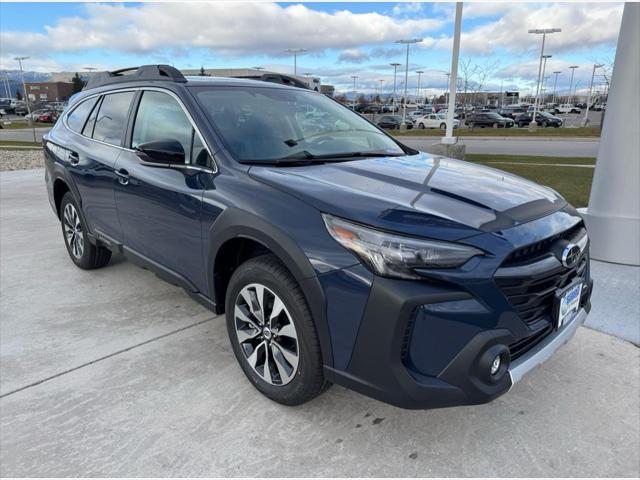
(495,125)
(81,251)
(421,125)
(443,126)
(471,125)
(272,332)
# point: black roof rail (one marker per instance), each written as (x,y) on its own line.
(143,72)
(284,80)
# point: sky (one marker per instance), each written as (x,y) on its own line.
(342,39)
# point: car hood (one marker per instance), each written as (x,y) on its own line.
(421,194)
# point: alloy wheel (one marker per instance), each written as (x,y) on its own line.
(266,334)
(73,231)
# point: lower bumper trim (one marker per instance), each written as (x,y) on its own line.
(545,350)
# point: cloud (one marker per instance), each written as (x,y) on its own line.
(407,9)
(353,55)
(228,29)
(584,27)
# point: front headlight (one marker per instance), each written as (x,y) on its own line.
(391,255)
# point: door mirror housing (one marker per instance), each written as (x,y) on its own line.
(165,153)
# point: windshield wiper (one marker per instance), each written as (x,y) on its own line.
(305,155)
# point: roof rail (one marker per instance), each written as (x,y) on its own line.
(143,72)
(283,80)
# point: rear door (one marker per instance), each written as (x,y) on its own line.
(160,208)
(96,147)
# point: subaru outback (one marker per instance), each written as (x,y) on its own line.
(336,253)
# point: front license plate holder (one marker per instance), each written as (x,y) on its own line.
(567,303)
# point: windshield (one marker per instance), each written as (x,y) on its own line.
(261,124)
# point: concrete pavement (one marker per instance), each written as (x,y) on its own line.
(116,373)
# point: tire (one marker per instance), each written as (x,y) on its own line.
(544,125)
(82,252)
(520,124)
(443,126)
(292,379)
(495,125)
(471,125)
(421,125)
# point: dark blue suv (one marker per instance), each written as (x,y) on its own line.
(337,254)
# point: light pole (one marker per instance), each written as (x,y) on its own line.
(449,139)
(419,72)
(555,84)
(395,71)
(355,96)
(381,90)
(573,69)
(26,97)
(585,121)
(403,125)
(544,79)
(446,92)
(295,52)
(543,32)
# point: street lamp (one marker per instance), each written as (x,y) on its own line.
(354,77)
(381,90)
(26,97)
(446,92)
(295,52)
(555,84)
(573,69)
(544,79)
(419,72)
(543,32)
(395,71)
(585,121)
(408,43)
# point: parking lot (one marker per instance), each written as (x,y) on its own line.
(114,372)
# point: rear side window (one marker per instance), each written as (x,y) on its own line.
(160,117)
(111,120)
(78,117)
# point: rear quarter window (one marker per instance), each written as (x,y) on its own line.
(111,120)
(78,116)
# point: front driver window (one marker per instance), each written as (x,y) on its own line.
(160,117)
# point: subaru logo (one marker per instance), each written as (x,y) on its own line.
(570,255)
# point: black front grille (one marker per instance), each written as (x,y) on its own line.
(535,250)
(522,346)
(532,297)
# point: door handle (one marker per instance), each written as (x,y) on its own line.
(74,158)
(123,176)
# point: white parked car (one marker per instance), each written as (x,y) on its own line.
(568,108)
(435,120)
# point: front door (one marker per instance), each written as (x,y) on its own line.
(160,208)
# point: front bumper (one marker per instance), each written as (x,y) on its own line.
(386,362)
(545,349)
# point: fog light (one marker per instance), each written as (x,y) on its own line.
(495,366)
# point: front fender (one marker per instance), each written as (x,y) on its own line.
(236,223)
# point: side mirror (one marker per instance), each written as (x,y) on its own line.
(165,153)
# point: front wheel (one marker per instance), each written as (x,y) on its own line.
(471,125)
(421,125)
(443,126)
(81,251)
(495,125)
(272,333)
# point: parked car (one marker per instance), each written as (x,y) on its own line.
(393,122)
(343,257)
(544,119)
(445,111)
(389,108)
(372,108)
(596,107)
(511,112)
(488,119)
(48,117)
(569,108)
(435,120)
(35,114)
